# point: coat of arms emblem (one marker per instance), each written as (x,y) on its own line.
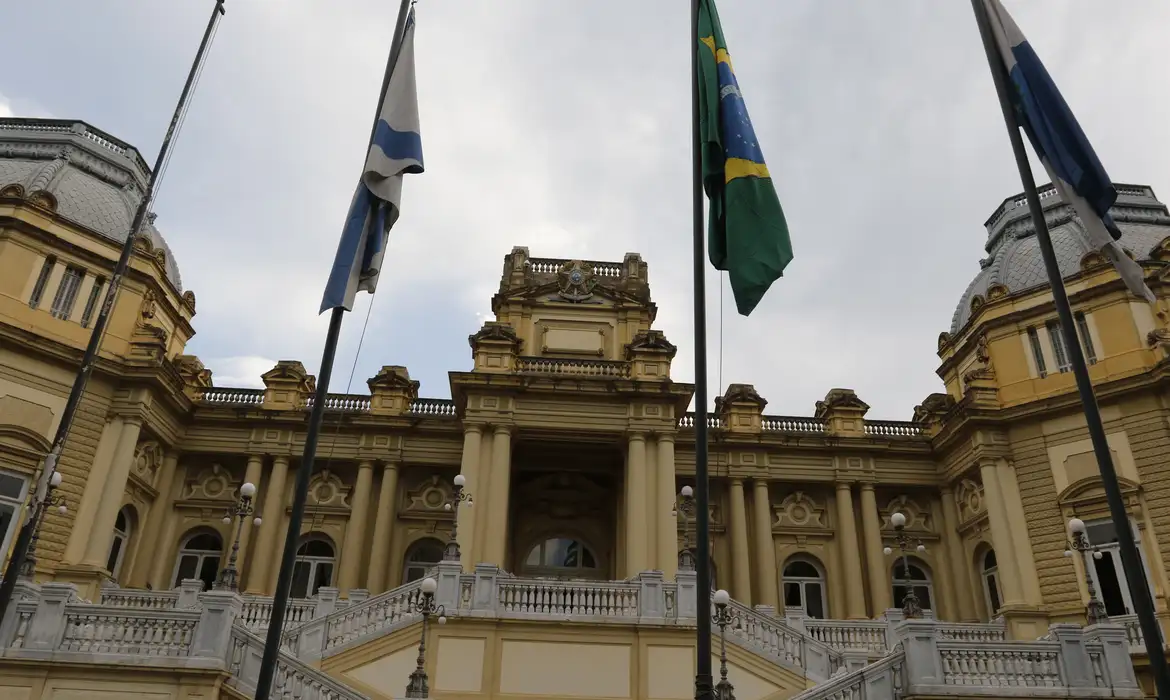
(576,281)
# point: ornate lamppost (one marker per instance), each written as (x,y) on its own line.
(685,505)
(37,509)
(417,687)
(1079,542)
(229,577)
(722,617)
(451,551)
(910,605)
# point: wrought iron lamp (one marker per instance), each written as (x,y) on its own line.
(1079,542)
(37,510)
(451,551)
(425,605)
(722,617)
(685,505)
(911,608)
(229,576)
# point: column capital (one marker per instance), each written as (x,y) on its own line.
(390,465)
(280,459)
(867,486)
(365,464)
(469,427)
(636,435)
(736,480)
(843,485)
(665,436)
(503,428)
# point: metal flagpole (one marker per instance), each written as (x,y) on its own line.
(20,549)
(301,492)
(1135,573)
(703,681)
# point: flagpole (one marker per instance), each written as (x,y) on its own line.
(316,416)
(1135,573)
(703,682)
(20,550)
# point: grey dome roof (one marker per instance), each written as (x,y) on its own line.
(96,179)
(1014,260)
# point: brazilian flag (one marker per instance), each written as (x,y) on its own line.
(747,234)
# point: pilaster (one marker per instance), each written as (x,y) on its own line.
(741,579)
(850,554)
(499,494)
(637,552)
(383,522)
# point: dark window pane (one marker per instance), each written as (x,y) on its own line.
(801,569)
(324,576)
(923,594)
(587,559)
(993,593)
(112,560)
(187,566)
(11,486)
(814,600)
(1110,586)
(315,548)
(989,560)
(208,570)
(300,580)
(792,595)
(205,543)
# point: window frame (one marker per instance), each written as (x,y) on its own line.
(91,303)
(541,570)
(42,283)
(1060,352)
(927,582)
(314,562)
(1082,324)
(803,583)
(989,575)
(410,562)
(17,508)
(200,556)
(1037,351)
(65,298)
(120,542)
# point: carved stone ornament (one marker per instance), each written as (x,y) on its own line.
(327,489)
(651,341)
(799,510)
(494,331)
(1159,252)
(189,299)
(575,280)
(996,291)
(211,483)
(943,339)
(429,496)
(969,499)
(743,393)
(917,518)
(147,460)
(1159,338)
(392,377)
(1092,259)
(43,199)
(192,370)
(149,305)
(933,408)
(840,398)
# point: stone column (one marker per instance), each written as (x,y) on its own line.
(383,523)
(850,554)
(957,558)
(637,554)
(880,593)
(267,542)
(496,532)
(149,528)
(252,475)
(354,543)
(667,524)
(102,534)
(91,497)
(741,580)
(1001,536)
(162,561)
(1009,489)
(768,590)
(469,468)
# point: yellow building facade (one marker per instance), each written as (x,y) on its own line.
(574,443)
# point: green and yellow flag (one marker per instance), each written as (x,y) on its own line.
(747,235)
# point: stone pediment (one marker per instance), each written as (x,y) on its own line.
(601,296)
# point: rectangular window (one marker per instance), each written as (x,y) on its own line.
(13,491)
(95,295)
(1037,352)
(66,295)
(1059,349)
(1086,339)
(42,281)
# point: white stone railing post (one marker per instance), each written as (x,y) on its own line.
(794,618)
(1075,667)
(919,640)
(1114,641)
(213,633)
(651,595)
(447,576)
(189,591)
(358,595)
(24,590)
(47,626)
(484,592)
(854,659)
(687,602)
(326,601)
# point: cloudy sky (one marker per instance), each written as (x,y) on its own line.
(564,127)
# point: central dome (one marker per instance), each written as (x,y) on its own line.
(95,180)
(1014,263)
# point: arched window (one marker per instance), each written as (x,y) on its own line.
(421,556)
(561,557)
(122,530)
(804,586)
(313,567)
(915,577)
(990,582)
(199,558)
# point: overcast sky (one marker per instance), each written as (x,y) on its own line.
(564,126)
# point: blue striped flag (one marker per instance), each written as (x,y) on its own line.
(395,150)
(1062,146)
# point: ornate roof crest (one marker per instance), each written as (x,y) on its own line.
(575,280)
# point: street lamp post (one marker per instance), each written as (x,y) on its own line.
(417,687)
(37,509)
(685,505)
(1079,542)
(229,577)
(722,617)
(451,551)
(910,605)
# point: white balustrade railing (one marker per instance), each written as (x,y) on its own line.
(850,634)
(881,680)
(1026,664)
(256,612)
(375,616)
(1133,632)
(768,635)
(607,599)
(136,598)
(96,629)
(291,679)
(973,631)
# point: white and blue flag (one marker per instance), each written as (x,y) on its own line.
(1062,146)
(395,150)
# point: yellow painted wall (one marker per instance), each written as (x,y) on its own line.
(20,680)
